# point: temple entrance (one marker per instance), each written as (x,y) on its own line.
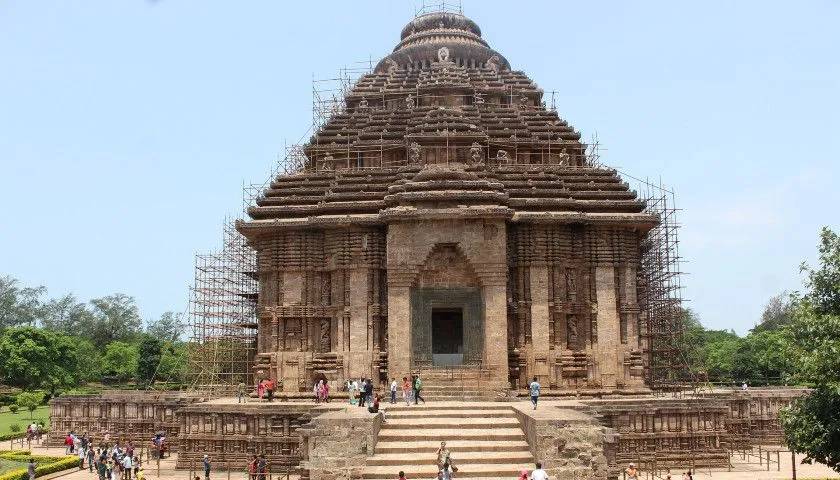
(447,336)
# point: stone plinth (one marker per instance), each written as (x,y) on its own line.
(336,445)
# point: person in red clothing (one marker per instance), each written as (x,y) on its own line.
(402,475)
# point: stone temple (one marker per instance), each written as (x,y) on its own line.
(446,217)
(442,222)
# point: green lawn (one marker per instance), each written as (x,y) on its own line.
(22,418)
(6,465)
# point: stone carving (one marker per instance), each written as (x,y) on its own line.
(363,105)
(443,55)
(571,287)
(328,163)
(524,101)
(476,153)
(493,64)
(410,102)
(324,336)
(564,157)
(572,335)
(502,157)
(414,153)
(392,65)
(479,98)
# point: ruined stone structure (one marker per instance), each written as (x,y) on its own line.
(446,217)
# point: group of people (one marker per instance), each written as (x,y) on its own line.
(34,432)
(446,468)
(110,462)
(632,473)
(321,391)
(360,392)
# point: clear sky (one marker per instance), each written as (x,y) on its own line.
(127,128)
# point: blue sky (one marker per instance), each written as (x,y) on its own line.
(127,129)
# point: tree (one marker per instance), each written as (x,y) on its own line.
(30,401)
(66,315)
(89,360)
(120,361)
(761,357)
(777,313)
(811,424)
(115,318)
(19,305)
(33,358)
(149,359)
(168,328)
(174,363)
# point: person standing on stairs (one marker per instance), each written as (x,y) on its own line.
(534,387)
(418,387)
(444,460)
(406,388)
(539,473)
(393,390)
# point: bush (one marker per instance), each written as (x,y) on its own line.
(15,427)
(13,408)
(46,465)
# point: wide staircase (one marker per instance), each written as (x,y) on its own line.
(485,440)
(460,383)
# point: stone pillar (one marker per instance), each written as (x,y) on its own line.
(632,302)
(608,329)
(359,354)
(495,331)
(539,323)
(399,330)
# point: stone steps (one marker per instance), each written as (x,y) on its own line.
(486,441)
(463,458)
(456,446)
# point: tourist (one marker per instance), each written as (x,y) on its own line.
(206,467)
(252,468)
(374,407)
(127,466)
(418,387)
(393,390)
(744,386)
(139,475)
(135,460)
(523,475)
(534,387)
(30,469)
(81,454)
(352,389)
(631,473)
(539,473)
(362,390)
(262,467)
(260,388)
(369,391)
(406,388)
(240,392)
(101,466)
(326,391)
(316,391)
(685,476)
(401,475)
(68,443)
(90,458)
(269,386)
(444,459)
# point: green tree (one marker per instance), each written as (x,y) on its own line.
(761,358)
(777,313)
(89,360)
(114,318)
(66,315)
(174,362)
(168,328)
(120,361)
(149,359)
(19,305)
(811,424)
(30,401)
(32,358)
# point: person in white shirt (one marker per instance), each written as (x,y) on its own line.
(393,390)
(539,473)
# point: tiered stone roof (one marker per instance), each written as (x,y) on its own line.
(443,123)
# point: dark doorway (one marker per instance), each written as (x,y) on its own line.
(447,336)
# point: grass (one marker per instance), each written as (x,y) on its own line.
(7,418)
(7,465)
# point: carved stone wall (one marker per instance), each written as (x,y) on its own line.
(754,414)
(233,433)
(573,317)
(322,307)
(123,416)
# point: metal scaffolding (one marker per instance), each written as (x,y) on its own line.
(222,315)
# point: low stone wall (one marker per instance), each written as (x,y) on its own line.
(121,416)
(232,433)
(754,414)
(569,443)
(336,445)
(660,432)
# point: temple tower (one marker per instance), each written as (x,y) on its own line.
(444,216)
